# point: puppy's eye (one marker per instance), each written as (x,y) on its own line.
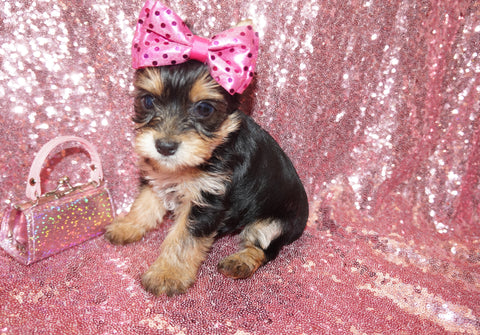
(203,110)
(148,101)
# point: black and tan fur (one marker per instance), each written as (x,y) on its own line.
(215,169)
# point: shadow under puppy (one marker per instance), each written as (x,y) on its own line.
(215,169)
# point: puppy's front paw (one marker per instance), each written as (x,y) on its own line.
(122,231)
(165,280)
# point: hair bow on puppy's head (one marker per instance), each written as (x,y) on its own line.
(162,38)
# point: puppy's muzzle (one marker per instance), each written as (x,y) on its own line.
(166,148)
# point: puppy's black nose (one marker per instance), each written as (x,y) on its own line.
(166,148)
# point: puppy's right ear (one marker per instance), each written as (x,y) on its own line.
(233,102)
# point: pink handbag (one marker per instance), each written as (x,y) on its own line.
(51,222)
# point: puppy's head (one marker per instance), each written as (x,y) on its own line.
(182,115)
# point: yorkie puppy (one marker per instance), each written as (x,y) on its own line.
(207,162)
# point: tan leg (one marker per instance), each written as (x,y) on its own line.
(244,263)
(147,210)
(181,254)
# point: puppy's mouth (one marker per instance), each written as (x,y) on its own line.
(172,154)
(188,149)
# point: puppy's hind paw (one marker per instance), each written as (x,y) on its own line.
(235,268)
(243,264)
(122,231)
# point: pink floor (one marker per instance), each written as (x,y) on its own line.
(376,102)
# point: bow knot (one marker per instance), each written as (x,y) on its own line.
(162,38)
(200,48)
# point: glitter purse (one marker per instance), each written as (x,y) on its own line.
(51,222)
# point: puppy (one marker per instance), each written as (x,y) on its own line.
(201,158)
(218,172)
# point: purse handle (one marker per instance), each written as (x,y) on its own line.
(33,183)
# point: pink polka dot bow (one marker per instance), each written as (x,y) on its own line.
(162,38)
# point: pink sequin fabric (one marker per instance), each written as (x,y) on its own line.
(377,104)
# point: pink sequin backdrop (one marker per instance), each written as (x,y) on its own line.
(376,102)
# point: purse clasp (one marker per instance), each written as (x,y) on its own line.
(63,188)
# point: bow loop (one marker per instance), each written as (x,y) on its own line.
(162,38)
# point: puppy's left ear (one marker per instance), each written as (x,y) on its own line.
(233,102)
